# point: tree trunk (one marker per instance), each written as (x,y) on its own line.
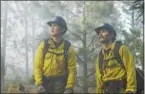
(33,36)
(4,42)
(142,61)
(133,19)
(85,88)
(26,38)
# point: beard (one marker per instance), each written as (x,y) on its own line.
(56,33)
(105,39)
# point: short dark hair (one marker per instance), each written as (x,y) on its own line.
(114,36)
(113,39)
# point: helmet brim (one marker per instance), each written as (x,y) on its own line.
(56,22)
(97,30)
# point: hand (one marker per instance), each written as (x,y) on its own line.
(68,90)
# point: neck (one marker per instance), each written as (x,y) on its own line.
(107,46)
(57,39)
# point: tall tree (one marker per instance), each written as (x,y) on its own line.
(26,36)
(85,56)
(4,42)
(138,6)
(134,38)
(33,36)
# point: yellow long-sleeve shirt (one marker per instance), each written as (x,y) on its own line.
(117,72)
(54,65)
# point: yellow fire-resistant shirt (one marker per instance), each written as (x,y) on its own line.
(54,65)
(117,72)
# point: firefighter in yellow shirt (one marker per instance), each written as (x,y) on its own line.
(115,73)
(55,67)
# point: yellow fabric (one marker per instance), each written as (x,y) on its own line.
(54,65)
(98,80)
(117,72)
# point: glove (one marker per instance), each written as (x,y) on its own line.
(68,90)
(40,89)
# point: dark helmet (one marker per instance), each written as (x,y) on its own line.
(107,27)
(60,21)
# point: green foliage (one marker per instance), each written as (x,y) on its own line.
(134,40)
(138,5)
(134,8)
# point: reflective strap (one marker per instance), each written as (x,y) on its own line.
(55,53)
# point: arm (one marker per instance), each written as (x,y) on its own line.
(38,64)
(71,68)
(130,69)
(99,83)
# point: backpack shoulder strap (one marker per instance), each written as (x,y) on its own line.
(100,61)
(117,56)
(66,52)
(66,49)
(45,49)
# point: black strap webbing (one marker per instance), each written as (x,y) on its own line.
(66,53)
(116,53)
(45,49)
(116,56)
(100,61)
(66,48)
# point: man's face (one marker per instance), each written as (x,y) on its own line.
(105,36)
(55,30)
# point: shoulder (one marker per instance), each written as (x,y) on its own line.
(124,50)
(45,41)
(122,47)
(67,42)
(97,61)
(70,47)
(41,44)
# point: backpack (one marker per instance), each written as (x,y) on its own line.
(66,53)
(139,73)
